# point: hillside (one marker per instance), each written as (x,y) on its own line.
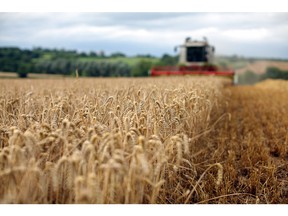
(259,67)
(255,65)
(65,62)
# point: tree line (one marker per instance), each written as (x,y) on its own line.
(65,62)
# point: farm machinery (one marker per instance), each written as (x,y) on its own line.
(195,58)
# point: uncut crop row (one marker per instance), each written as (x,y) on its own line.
(109,140)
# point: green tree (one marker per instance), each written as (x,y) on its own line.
(93,54)
(275,73)
(117,54)
(141,68)
(167,60)
(23,70)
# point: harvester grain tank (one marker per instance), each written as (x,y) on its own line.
(195,58)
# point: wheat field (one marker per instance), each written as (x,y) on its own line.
(166,140)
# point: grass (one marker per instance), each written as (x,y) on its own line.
(128,60)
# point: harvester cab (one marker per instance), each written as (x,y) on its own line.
(195,52)
(195,58)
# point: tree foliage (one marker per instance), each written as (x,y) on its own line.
(276,73)
(141,68)
(65,62)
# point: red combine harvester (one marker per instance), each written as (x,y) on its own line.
(196,58)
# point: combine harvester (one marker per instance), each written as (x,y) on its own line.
(196,58)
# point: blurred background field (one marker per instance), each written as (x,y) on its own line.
(130,44)
(48,63)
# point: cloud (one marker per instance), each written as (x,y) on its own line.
(254,35)
(235,33)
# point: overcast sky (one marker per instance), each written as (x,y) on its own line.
(246,34)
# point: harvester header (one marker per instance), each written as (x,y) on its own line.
(195,58)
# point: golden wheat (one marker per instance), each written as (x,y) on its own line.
(166,140)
